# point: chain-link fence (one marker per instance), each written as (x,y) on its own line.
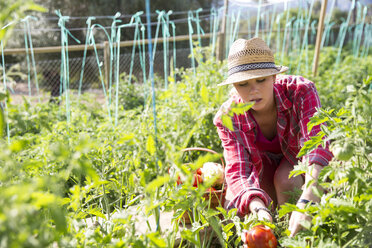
(49,71)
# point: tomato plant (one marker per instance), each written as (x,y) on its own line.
(65,174)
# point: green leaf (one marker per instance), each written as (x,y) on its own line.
(228,227)
(227,122)
(287,208)
(190,236)
(150,145)
(65,201)
(222,210)
(315,121)
(43,199)
(298,169)
(196,227)
(3,96)
(158,182)
(17,145)
(126,137)
(232,213)
(311,144)
(341,112)
(36,7)
(156,239)
(59,218)
(2,122)
(216,227)
(240,108)
(178,214)
(96,212)
(204,94)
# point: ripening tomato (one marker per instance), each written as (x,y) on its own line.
(197,179)
(261,237)
(343,152)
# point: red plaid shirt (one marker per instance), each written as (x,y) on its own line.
(297,100)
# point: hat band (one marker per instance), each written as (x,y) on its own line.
(252,66)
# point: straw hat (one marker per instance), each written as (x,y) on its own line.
(249,59)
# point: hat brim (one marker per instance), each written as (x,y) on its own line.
(252,74)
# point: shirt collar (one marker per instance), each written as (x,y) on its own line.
(282,104)
(282,101)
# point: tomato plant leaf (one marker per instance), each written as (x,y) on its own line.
(311,144)
(204,94)
(216,227)
(156,239)
(228,227)
(2,121)
(315,121)
(240,108)
(150,145)
(96,212)
(158,182)
(227,122)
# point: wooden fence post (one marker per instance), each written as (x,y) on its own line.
(106,61)
(222,34)
(319,37)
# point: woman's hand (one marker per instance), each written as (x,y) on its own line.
(262,215)
(258,206)
(295,222)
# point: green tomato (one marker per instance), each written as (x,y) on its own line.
(344,152)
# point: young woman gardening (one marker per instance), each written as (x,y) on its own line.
(262,148)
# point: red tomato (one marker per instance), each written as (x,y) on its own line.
(211,189)
(179,181)
(199,171)
(197,179)
(261,237)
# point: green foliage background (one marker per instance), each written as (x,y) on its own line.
(57,176)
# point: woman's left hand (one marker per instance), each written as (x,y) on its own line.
(295,222)
(297,218)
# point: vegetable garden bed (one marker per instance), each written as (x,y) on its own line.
(55,173)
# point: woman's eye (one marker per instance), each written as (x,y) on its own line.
(243,84)
(260,80)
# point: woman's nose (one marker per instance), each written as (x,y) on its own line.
(253,89)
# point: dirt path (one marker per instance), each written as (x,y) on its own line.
(21,91)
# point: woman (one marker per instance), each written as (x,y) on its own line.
(261,149)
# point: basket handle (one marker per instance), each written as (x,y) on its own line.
(204,150)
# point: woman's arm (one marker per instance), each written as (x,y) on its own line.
(258,206)
(307,194)
(242,177)
(308,100)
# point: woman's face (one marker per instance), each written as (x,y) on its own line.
(258,90)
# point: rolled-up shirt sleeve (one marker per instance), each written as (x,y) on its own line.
(242,176)
(309,103)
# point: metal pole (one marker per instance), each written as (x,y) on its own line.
(319,37)
(151,77)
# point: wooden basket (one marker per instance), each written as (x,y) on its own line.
(215,198)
